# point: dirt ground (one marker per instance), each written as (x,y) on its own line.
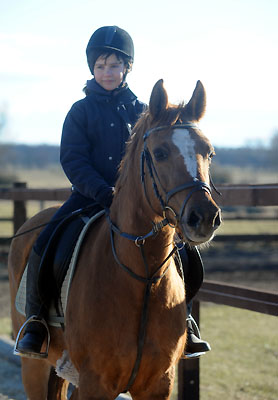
(250,264)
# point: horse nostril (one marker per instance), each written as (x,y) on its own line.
(194,219)
(217,221)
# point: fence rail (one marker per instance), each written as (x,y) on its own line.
(240,297)
(232,195)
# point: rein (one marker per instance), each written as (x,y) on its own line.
(80,211)
(149,280)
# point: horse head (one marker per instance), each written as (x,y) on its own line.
(178,156)
(175,162)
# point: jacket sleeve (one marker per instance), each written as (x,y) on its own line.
(75,158)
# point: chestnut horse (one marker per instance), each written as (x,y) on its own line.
(126,313)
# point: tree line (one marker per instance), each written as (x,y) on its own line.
(224,163)
(42,156)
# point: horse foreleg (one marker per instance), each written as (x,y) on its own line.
(160,390)
(91,387)
(57,387)
(35,376)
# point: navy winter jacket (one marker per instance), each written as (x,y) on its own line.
(94,135)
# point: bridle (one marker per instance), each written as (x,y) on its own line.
(195,185)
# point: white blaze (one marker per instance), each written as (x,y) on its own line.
(182,140)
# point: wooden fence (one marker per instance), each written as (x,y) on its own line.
(232,195)
(240,297)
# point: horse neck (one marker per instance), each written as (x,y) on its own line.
(132,214)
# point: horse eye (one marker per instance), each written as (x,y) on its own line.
(211,155)
(160,154)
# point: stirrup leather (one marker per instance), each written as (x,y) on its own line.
(40,355)
(191,356)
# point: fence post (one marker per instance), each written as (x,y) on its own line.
(20,214)
(189,370)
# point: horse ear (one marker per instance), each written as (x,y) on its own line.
(159,100)
(195,108)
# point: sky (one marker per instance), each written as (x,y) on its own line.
(230,45)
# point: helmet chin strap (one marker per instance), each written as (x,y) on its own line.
(124,78)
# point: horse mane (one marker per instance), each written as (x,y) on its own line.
(171,115)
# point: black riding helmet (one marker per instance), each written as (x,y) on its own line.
(110,39)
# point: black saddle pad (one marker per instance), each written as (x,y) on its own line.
(57,256)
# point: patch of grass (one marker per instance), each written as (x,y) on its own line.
(52,177)
(243,362)
(248,227)
(242,175)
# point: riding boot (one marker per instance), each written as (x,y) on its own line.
(195,346)
(193,271)
(36,329)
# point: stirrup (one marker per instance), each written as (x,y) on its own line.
(198,354)
(191,356)
(44,354)
(195,326)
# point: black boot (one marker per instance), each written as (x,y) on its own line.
(35,326)
(195,346)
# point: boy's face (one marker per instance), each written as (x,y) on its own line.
(109,72)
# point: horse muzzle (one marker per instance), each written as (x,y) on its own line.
(198,216)
(199,222)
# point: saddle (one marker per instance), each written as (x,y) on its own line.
(58,265)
